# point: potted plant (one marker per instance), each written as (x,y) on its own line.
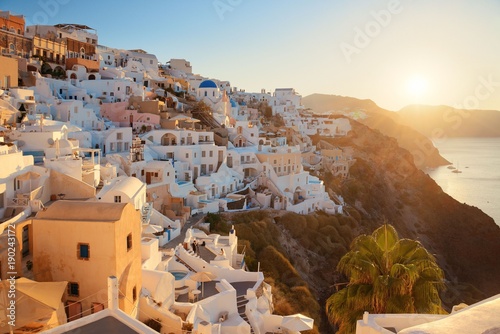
(187,326)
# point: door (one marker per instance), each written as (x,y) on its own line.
(73,310)
(26,241)
(195,173)
(148,177)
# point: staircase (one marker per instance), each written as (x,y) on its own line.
(178,259)
(206,119)
(241,302)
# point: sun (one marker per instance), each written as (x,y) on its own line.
(417,86)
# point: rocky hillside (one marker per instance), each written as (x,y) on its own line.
(385,184)
(299,254)
(444,121)
(387,122)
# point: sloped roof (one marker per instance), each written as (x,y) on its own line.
(83,211)
(78,26)
(481,317)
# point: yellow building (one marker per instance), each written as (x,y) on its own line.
(283,160)
(9,73)
(84,243)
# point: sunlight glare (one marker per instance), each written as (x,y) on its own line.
(417,86)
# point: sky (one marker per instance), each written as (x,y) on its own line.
(395,52)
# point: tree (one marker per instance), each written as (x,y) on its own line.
(386,275)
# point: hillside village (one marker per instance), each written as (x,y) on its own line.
(110,160)
(107,158)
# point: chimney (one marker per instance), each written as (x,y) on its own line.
(112,293)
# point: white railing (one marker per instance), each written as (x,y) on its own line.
(19,201)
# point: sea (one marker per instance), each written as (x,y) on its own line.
(479,183)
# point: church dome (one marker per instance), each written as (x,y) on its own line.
(208,84)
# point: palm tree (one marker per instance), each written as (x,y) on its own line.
(386,275)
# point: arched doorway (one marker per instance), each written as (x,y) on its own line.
(168,139)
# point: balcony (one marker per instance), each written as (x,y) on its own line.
(91,65)
(23,199)
(252,161)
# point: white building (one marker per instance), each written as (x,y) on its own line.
(124,189)
(285,100)
(73,31)
(481,317)
(193,153)
(181,65)
(117,90)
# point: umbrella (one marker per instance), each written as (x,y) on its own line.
(28,176)
(297,322)
(151,229)
(202,276)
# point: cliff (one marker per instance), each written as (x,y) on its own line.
(384,184)
(444,121)
(385,121)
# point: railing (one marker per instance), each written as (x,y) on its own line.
(19,201)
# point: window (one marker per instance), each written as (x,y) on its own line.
(12,48)
(210,168)
(203,154)
(134,293)
(119,136)
(73,289)
(118,199)
(156,174)
(83,251)
(211,154)
(126,146)
(187,155)
(129,242)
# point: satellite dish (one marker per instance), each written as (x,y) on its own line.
(50,141)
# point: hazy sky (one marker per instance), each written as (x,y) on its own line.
(393,52)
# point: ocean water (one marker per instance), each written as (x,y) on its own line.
(479,182)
